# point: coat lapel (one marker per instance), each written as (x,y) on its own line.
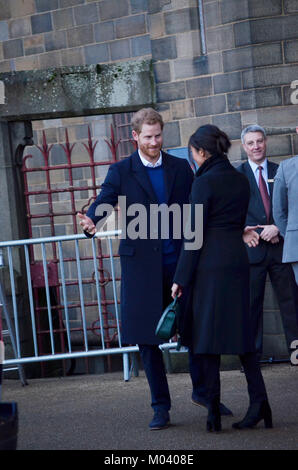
(169,174)
(271,174)
(142,177)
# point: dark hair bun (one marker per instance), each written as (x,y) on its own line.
(210,138)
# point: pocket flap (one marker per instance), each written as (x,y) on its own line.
(292,226)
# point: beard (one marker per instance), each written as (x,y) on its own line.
(150,152)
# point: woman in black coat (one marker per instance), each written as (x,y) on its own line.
(218,275)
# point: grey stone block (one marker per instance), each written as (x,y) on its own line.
(266,30)
(212,14)
(104,31)
(63,19)
(252,99)
(86,14)
(46,5)
(203,65)
(41,23)
(211,105)
(270,76)
(20,27)
(291,51)
(170,91)
(179,21)
(279,145)
(70,3)
(141,45)
(252,56)
(55,40)
(80,36)
(164,48)
(120,49)
(4,31)
(96,54)
(230,124)
(130,26)
(155,6)
(13,48)
(295,144)
(291,6)
(138,6)
(5,12)
(171,135)
(218,39)
(199,87)
(235,10)
(227,82)
(109,9)
(162,72)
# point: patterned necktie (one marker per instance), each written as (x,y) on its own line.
(264,193)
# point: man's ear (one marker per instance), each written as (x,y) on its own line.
(135,135)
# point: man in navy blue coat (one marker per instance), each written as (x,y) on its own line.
(267,256)
(149,176)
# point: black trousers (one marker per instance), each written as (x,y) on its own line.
(153,363)
(283,283)
(255,383)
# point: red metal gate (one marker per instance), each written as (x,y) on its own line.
(120,146)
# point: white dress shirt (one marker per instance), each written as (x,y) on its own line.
(147,163)
(254,166)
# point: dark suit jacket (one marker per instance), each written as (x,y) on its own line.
(256,213)
(141,259)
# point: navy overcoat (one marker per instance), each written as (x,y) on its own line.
(218,272)
(141,259)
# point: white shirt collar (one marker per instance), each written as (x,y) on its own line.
(254,166)
(149,164)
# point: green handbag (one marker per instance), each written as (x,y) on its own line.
(167,325)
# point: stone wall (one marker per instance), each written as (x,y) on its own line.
(243,77)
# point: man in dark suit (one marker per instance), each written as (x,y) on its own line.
(267,256)
(149,176)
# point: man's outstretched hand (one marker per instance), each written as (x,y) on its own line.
(86,223)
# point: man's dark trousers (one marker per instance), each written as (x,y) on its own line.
(152,358)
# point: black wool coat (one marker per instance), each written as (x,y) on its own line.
(217,274)
(141,259)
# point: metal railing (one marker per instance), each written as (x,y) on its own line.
(69,353)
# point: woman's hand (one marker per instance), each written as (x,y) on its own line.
(250,236)
(176,290)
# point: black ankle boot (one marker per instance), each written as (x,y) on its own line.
(214,418)
(255,413)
